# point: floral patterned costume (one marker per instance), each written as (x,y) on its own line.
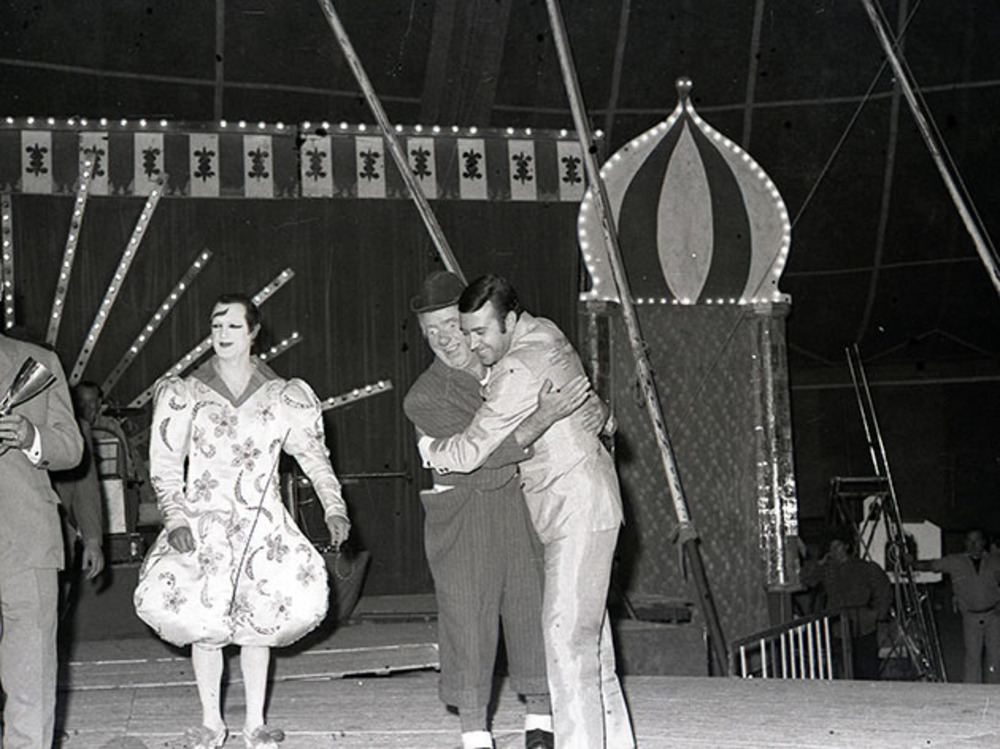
(253,578)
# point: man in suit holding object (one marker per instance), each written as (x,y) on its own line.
(38,436)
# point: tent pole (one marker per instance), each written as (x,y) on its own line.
(395,147)
(904,82)
(687,534)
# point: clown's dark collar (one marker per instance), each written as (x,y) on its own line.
(208,374)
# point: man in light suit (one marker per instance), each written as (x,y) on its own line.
(571,490)
(40,435)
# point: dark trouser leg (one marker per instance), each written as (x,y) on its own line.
(864,651)
(467,584)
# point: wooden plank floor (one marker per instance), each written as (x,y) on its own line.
(373,685)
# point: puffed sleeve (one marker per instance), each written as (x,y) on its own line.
(170,433)
(306,442)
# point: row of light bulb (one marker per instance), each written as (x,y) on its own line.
(281,126)
(372,389)
(6,231)
(281,347)
(69,253)
(124,265)
(777,296)
(154,322)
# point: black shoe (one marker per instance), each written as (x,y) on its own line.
(536,738)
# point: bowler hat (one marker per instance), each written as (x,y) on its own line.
(440,289)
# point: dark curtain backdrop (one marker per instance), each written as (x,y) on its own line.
(940,440)
(356,263)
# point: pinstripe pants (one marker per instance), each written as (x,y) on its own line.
(486,562)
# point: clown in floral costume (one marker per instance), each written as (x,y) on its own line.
(230,566)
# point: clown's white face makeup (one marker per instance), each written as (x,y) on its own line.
(231,336)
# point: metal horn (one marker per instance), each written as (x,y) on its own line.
(31,379)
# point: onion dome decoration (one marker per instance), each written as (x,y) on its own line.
(699,221)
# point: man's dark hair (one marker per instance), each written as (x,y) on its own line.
(89,385)
(847,539)
(252,310)
(495,290)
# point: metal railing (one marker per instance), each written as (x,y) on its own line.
(814,647)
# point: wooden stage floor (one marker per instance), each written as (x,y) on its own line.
(373,684)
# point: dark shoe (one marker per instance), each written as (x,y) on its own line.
(536,738)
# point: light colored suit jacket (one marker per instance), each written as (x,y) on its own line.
(30,531)
(569,482)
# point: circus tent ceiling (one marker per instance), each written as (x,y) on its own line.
(879,253)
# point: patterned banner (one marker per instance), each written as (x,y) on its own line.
(572,182)
(316,166)
(258,169)
(94,146)
(370,154)
(149,169)
(203,155)
(420,154)
(272,163)
(472,169)
(521,155)
(36,161)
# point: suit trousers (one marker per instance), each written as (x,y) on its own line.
(29,602)
(486,563)
(981,632)
(588,707)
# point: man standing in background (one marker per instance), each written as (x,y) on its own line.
(975,581)
(79,491)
